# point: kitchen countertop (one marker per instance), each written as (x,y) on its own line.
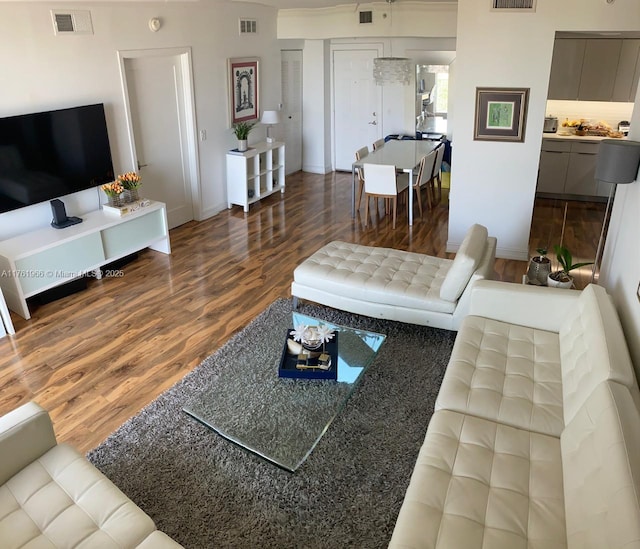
(573,137)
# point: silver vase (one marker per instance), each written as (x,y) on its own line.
(539,271)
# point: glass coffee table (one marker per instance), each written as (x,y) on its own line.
(281,419)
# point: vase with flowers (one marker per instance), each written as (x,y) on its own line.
(114,192)
(131,182)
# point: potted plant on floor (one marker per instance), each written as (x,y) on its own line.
(242,129)
(539,268)
(561,278)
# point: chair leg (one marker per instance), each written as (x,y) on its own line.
(360,189)
(394,201)
(366,209)
(418,198)
(430,192)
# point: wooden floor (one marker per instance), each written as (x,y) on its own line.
(95,358)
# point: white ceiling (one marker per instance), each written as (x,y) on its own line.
(311,4)
(280,4)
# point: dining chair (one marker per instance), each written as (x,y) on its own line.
(437,173)
(377,144)
(424,178)
(360,154)
(381,181)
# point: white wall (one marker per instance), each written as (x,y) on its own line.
(41,71)
(620,269)
(494,183)
(407,18)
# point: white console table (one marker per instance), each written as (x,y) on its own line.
(34,262)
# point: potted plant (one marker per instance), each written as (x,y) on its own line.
(539,268)
(561,278)
(242,129)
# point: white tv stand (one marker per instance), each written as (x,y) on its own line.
(39,260)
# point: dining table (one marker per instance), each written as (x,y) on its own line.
(404,154)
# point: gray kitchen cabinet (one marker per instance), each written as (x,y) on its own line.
(554,162)
(566,68)
(628,72)
(580,174)
(595,69)
(567,169)
(599,69)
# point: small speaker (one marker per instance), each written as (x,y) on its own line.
(60,219)
(59,212)
(618,161)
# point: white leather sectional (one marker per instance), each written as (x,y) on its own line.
(52,497)
(394,284)
(535,441)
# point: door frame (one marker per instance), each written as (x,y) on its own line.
(341,46)
(189,114)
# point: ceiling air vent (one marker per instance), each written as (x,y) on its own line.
(366,17)
(248,26)
(526,5)
(72,22)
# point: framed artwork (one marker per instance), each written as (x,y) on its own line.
(244,89)
(501,114)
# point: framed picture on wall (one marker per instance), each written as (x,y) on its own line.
(244,89)
(501,114)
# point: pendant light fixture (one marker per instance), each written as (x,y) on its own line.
(391,70)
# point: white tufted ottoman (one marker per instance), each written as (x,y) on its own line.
(396,285)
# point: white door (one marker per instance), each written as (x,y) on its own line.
(357,103)
(161,141)
(292,108)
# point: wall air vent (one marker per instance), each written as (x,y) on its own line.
(72,22)
(366,17)
(526,5)
(248,26)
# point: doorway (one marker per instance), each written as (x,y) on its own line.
(292,106)
(357,102)
(161,123)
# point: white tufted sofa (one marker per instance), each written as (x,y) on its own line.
(535,441)
(52,497)
(394,284)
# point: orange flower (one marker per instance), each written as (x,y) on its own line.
(113,189)
(129,180)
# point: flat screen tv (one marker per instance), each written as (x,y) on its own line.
(50,154)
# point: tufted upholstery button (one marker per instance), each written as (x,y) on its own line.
(506,373)
(480,484)
(384,275)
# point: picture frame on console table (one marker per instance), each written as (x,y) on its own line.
(244,89)
(501,114)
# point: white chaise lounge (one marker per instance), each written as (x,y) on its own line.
(394,284)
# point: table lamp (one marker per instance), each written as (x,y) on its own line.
(270,118)
(617,163)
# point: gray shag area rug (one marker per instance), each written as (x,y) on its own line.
(206,492)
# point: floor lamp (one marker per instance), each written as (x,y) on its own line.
(617,163)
